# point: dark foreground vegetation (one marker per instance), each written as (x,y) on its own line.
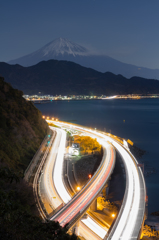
(18,216)
(22,129)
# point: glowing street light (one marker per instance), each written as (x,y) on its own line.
(89,175)
(78,188)
(43,116)
(52,118)
(113,215)
(47,117)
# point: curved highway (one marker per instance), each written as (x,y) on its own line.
(130,218)
(131,215)
(79,204)
(54,194)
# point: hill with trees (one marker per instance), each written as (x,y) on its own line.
(68,78)
(22,130)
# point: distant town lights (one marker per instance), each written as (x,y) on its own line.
(43,116)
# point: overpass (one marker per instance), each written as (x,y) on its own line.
(131,215)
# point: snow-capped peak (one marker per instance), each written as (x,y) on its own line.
(61,46)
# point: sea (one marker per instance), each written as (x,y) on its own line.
(137,120)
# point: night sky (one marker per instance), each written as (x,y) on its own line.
(125,30)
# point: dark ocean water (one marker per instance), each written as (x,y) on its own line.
(141,125)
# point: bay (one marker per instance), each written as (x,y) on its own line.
(137,120)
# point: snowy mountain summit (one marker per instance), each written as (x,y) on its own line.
(61,46)
(63,49)
(59,49)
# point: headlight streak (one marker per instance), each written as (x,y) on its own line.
(98,227)
(94,227)
(126,223)
(48,175)
(57,174)
(128,218)
(86,197)
(48,182)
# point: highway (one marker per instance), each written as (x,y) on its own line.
(79,203)
(47,186)
(53,192)
(130,218)
(131,215)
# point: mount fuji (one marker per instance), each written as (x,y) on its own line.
(59,49)
(63,49)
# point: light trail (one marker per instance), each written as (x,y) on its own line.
(94,227)
(82,200)
(56,195)
(131,213)
(58,170)
(47,174)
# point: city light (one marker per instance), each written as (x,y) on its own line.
(43,116)
(113,215)
(78,188)
(89,175)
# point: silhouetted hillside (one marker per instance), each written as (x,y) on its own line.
(21,131)
(22,128)
(62,77)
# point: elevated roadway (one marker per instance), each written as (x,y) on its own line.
(54,193)
(77,206)
(130,218)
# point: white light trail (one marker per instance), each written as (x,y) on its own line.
(128,218)
(57,175)
(94,227)
(126,223)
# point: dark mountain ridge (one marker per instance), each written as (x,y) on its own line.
(63,49)
(63,77)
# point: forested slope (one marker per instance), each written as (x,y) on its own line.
(22,128)
(21,131)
